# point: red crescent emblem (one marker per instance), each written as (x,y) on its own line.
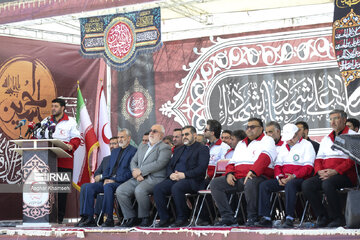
(105,139)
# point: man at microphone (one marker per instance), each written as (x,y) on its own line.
(66,131)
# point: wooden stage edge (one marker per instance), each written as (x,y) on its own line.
(178,233)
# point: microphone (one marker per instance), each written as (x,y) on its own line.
(43,128)
(30,129)
(36,127)
(21,123)
(51,129)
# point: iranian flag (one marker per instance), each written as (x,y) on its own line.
(81,172)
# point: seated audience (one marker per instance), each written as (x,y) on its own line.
(185,174)
(251,164)
(333,170)
(353,124)
(294,163)
(148,168)
(226,136)
(236,137)
(304,131)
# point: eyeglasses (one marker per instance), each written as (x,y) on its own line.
(154,131)
(252,127)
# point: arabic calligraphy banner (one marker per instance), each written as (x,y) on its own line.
(119,38)
(346,40)
(32,74)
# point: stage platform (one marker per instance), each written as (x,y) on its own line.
(192,233)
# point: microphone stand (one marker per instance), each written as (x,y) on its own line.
(20,137)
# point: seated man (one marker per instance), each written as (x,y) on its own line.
(304,130)
(218,149)
(353,124)
(226,136)
(148,169)
(117,172)
(334,170)
(97,177)
(236,137)
(185,174)
(294,163)
(251,164)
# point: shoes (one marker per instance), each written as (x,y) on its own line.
(180,223)
(145,222)
(338,222)
(288,223)
(262,223)
(322,222)
(99,219)
(251,222)
(89,222)
(131,222)
(163,224)
(108,223)
(202,222)
(83,219)
(225,222)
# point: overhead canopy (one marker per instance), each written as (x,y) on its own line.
(57,20)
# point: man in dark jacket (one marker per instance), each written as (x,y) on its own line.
(185,174)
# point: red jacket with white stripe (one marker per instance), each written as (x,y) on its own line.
(328,158)
(297,160)
(258,156)
(217,152)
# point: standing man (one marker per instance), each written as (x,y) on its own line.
(65,130)
(304,131)
(251,164)
(148,169)
(177,139)
(218,149)
(294,163)
(185,174)
(334,170)
(117,172)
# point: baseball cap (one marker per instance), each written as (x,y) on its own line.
(289,131)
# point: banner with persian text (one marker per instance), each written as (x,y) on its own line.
(32,74)
(119,38)
(346,39)
(284,76)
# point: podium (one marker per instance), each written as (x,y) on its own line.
(39,160)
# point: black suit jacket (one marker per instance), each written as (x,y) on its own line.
(104,164)
(196,162)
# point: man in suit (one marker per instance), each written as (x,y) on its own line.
(117,172)
(148,169)
(185,174)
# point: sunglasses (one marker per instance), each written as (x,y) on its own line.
(252,127)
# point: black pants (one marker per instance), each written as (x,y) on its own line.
(62,197)
(219,189)
(312,188)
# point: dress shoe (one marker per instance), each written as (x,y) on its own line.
(263,223)
(322,222)
(180,223)
(338,222)
(131,222)
(163,224)
(145,222)
(288,223)
(251,222)
(83,219)
(202,222)
(108,223)
(89,222)
(226,222)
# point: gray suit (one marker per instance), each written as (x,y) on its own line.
(153,169)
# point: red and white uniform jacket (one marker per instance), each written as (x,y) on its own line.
(217,152)
(229,154)
(297,160)
(258,156)
(279,144)
(65,130)
(328,158)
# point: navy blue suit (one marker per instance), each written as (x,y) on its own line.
(90,191)
(196,163)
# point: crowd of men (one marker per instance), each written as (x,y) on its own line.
(263,159)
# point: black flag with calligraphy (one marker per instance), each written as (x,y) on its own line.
(346,40)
